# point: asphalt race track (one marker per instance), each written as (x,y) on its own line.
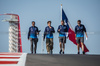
(62,60)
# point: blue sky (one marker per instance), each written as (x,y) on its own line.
(41,11)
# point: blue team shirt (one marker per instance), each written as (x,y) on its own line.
(49,32)
(79,30)
(32,32)
(63,30)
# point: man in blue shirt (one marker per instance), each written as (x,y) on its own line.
(79,33)
(32,35)
(49,30)
(62,30)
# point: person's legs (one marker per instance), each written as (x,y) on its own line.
(63,47)
(82,44)
(31,40)
(78,48)
(35,47)
(64,41)
(78,44)
(60,44)
(51,45)
(60,47)
(35,44)
(47,45)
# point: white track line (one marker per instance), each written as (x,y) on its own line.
(9,56)
(9,59)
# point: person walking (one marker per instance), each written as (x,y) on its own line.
(32,36)
(49,30)
(62,30)
(79,35)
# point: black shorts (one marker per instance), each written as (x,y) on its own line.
(79,39)
(62,39)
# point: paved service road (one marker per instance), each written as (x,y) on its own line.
(62,60)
